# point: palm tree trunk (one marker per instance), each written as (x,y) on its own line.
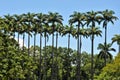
(105,43)
(57,72)
(68,42)
(68,72)
(105,35)
(28,77)
(80,44)
(28,45)
(45,62)
(18,41)
(40,60)
(23,51)
(52,76)
(34,52)
(34,44)
(92,56)
(119,49)
(78,53)
(23,40)
(56,41)
(14,35)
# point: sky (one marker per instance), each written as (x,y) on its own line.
(66,8)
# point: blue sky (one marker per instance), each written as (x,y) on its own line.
(66,8)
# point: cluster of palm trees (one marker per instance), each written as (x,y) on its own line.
(80,25)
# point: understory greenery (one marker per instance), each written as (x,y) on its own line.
(52,62)
(16,64)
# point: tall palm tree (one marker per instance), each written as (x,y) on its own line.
(92,32)
(35,28)
(91,20)
(18,21)
(116,38)
(23,30)
(58,30)
(41,18)
(107,17)
(105,51)
(78,18)
(29,19)
(53,20)
(46,30)
(69,30)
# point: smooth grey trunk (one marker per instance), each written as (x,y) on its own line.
(40,60)
(68,72)
(57,72)
(105,44)
(23,40)
(52,70)
(28,77)
(18,41)
(45,63)
(119,49)
(78,53)
(34,44)
(92,57)
(28,45)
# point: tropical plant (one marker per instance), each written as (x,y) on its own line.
(40,21)
(18,20)
(68,30)
(116,38)
(92,18)
(107,17)
(46,30)
(105,52)
(79,18)
(28,21)
(53,20)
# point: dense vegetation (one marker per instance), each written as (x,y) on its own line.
(43,62)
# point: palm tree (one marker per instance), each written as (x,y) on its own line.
(69,30)
(46,30)
(23,30)
(58,30)
(105,51)
(92,18)
(92,32)
(35,28)
(107,17)
(18,21)
(116,38)
(41,18)
(28,21)
(53,20)
(79,18)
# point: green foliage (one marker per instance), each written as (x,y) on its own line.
(111,71)
(14,64)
